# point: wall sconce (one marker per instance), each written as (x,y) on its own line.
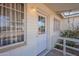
(33,9)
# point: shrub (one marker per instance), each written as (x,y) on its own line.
(70,34)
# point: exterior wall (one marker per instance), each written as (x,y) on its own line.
(31,31)
(54,34)
(65,25)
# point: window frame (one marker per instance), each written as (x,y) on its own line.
(18,44)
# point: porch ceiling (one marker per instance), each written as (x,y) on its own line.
(60,7)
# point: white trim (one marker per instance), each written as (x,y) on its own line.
(58,50)
(25,23)
(73,48)
(65,46)
(11,8)
(59,44)
(11,45)
(69,39)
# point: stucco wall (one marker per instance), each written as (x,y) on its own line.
(31,27)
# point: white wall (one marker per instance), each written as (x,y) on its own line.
(31,47)
(54,34)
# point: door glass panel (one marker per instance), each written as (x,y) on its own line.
(41,24)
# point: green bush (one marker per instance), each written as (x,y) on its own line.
(70,43)
(70,34)
(59,47)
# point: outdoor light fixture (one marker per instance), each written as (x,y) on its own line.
(33,9)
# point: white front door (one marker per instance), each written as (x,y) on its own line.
(42,33)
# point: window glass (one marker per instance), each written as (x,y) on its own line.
(11,23)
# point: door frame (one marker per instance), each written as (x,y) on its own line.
(46,15)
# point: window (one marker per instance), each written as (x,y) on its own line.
(11,23)
(41,24)
(56,25)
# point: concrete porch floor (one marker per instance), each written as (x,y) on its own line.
(54,53)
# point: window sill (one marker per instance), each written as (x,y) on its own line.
(11,47)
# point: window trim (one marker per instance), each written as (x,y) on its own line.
(11,47)
(18,44)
